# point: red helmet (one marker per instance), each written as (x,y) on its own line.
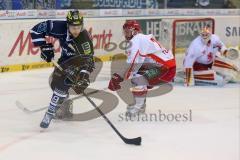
(131,28)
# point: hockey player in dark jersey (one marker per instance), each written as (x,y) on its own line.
(76,59)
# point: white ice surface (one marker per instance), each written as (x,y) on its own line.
(213,133)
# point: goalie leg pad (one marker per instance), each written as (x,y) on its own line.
(221,63)
(208,77)
(227,68)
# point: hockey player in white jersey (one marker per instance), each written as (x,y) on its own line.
(205,62)
(148,64)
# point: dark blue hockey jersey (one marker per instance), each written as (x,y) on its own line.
(59,30)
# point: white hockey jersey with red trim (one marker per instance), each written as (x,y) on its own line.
(146,49)
(203,53)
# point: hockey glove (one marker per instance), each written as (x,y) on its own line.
(47,52)
(83,80)
(76,79)
(115,81)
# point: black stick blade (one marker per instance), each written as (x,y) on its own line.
(135,141)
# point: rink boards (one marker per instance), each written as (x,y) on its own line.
(18,52)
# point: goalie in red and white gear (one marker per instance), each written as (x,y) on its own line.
(148,64)
(207,61)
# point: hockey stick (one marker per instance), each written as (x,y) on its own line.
(28,111)
(135,141)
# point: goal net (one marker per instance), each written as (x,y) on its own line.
(185,30)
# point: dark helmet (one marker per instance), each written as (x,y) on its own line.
(74,18)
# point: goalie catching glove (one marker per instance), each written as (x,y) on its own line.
(231,53)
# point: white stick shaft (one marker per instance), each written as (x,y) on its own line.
(57,65)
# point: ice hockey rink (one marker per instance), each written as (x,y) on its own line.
(212,133)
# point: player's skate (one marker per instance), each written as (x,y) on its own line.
(134,110)
(56,101)
(138,108)
(47,119)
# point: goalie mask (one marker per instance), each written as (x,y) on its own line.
(206,34)
(130,29)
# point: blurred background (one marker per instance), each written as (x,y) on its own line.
(123,4)
(175,23)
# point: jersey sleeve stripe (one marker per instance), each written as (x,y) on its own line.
(132,64)
(38,40)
